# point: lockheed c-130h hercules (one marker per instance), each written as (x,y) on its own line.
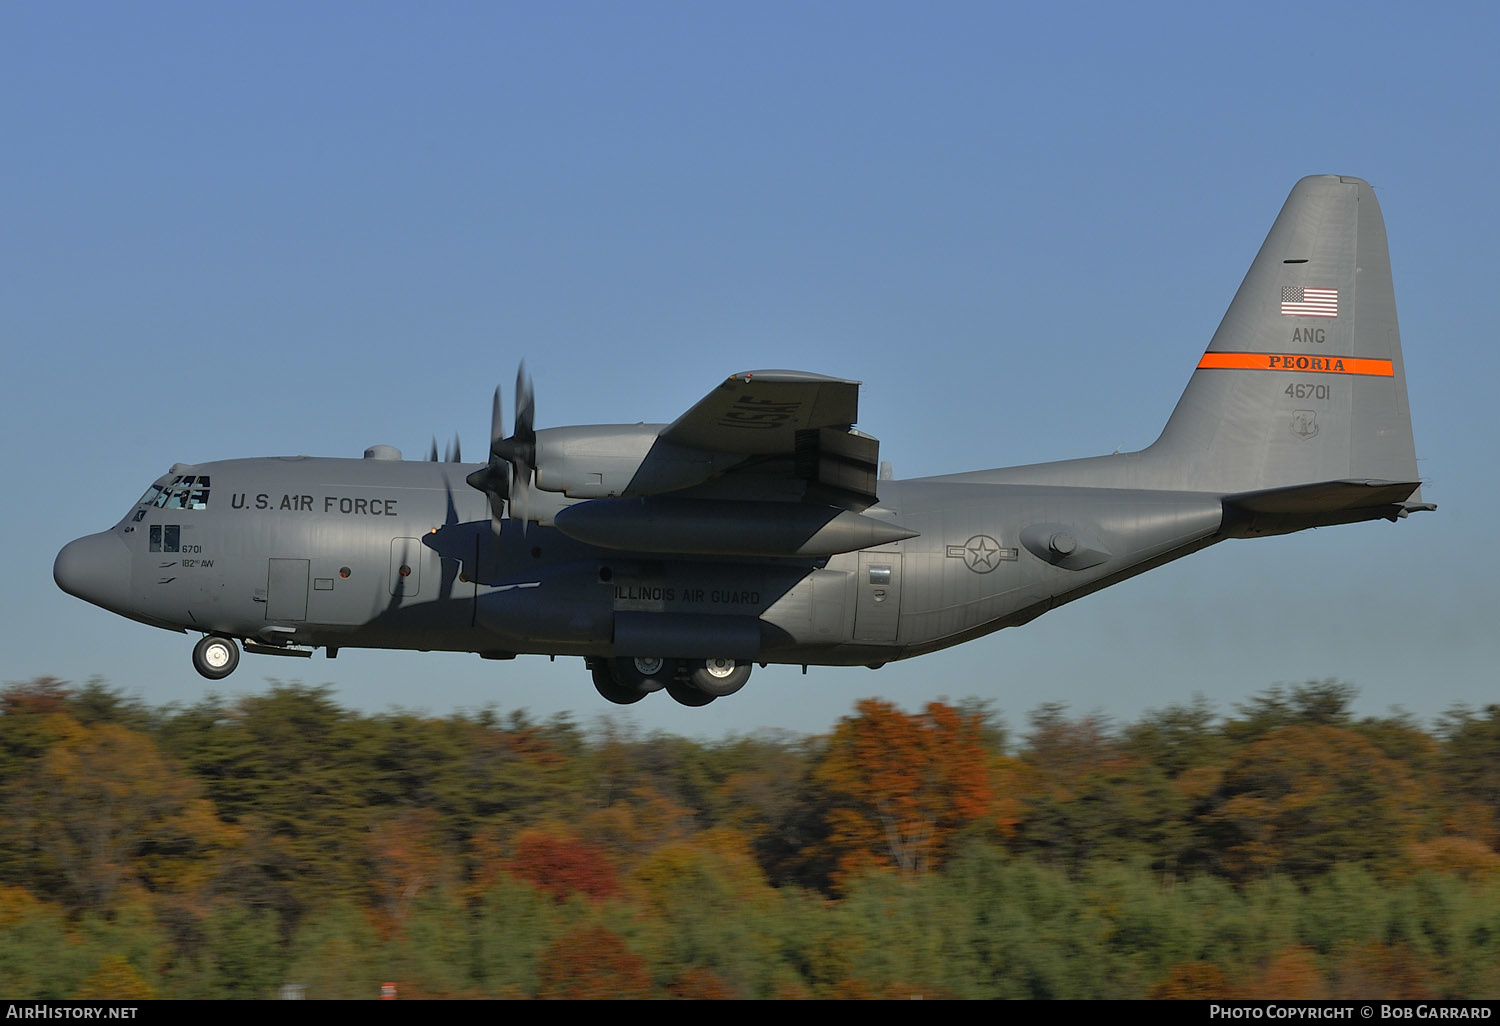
(758,528)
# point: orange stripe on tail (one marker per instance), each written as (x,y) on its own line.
(1299,363)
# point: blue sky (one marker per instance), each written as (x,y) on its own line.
(238,230)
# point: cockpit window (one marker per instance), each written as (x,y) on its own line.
(166,537)
(185,492)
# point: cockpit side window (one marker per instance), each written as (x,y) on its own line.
(166,537)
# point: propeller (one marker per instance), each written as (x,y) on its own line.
(508,474)
(519,450)
(451,453)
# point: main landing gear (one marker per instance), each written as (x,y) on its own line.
(216,656)
(690,682)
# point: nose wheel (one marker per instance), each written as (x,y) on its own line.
(216,656)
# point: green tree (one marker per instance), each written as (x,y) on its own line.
(1316,703)
(337,954)
(1087,796)
(288,767)
(1469,763)
(38,958)
(1303,799)
(1178,739)
(711,906)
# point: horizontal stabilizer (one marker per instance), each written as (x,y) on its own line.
(1298,507)
(1325,497)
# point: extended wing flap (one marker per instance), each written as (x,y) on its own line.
(841,467)
(758,413)
(767,436)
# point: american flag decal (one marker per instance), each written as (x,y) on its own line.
(1297,301)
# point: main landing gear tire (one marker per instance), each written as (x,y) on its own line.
(612,690)
(216,656)
(718,677)
(645,673)
(686,694)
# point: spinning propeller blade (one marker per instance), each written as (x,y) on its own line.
(507,476)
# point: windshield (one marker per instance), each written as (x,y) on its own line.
(188,491)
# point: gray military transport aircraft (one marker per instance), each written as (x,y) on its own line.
(758,526)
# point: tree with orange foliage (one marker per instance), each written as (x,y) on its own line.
(1293,975)
(901,785)
(592,963)
(408,861)
(1194,981)
(103,810)
(563,865)
(1374,969)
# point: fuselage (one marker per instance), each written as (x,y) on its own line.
(388,553)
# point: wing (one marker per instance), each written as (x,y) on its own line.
(797,429)
(760,412)
(767,464)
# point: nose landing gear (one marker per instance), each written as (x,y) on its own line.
(216,656)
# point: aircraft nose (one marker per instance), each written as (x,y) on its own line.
(95,568)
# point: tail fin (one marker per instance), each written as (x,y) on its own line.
(1303,382)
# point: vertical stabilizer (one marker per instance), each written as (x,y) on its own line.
(1303,382)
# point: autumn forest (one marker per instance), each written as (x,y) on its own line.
(275,842)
